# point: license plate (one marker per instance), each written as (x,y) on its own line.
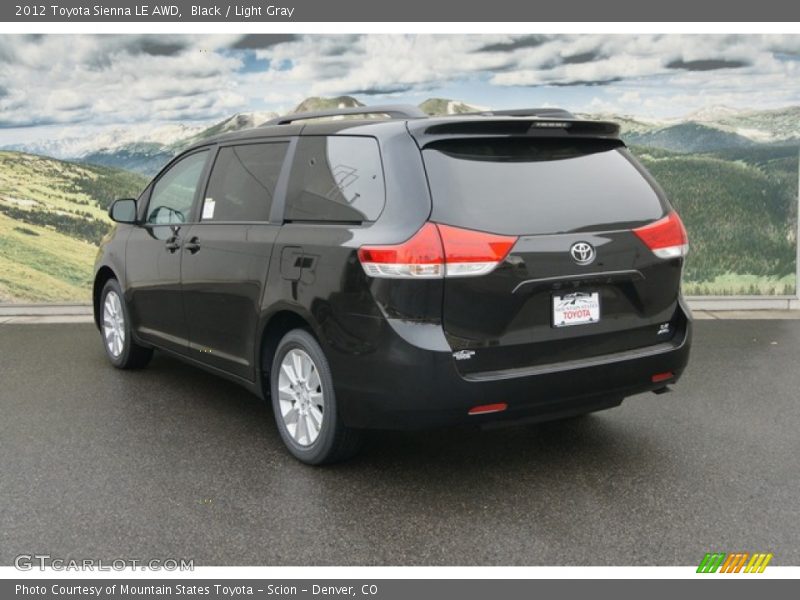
(576,309)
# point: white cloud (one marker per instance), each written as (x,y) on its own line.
(332,65)
(112,80)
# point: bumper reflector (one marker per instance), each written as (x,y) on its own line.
(485,409)
(658,377)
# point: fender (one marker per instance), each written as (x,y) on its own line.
(266,318)
(111,255)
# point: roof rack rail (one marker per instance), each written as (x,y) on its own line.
(395,111)
(548,113)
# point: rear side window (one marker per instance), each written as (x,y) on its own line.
(242,182)
(538,186)
(336,179)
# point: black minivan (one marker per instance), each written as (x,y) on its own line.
(400,271)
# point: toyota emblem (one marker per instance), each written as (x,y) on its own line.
(582,252)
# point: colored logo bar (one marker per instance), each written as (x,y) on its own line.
(735,562)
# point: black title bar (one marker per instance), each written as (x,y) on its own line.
(395,11)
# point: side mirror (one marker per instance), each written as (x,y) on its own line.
(123,210)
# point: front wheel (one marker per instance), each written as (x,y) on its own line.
(115,326)
(304,403)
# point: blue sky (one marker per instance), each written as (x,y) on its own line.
(55,85)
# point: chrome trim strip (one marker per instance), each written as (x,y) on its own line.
(633,273)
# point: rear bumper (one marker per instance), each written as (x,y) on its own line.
(405,385)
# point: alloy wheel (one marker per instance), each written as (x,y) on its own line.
(300,396)
(113,324)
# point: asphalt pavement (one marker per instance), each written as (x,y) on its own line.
(172,462)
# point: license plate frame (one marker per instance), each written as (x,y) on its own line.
(575,308)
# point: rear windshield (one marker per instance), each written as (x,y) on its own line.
(537,186)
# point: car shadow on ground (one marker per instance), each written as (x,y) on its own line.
(584,442)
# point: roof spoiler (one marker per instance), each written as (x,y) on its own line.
(534,127)
(542,113)
(543,122)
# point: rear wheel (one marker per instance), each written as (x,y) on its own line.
(304,403)
(120,347)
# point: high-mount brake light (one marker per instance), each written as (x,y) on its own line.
(551,125)
(437,251)
(666,237)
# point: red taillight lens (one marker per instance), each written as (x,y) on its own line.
(469,252)
(666,237)
(421,256)
(437,251)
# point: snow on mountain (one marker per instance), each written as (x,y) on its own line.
(445,106)
(75,146)
(145,148)
(712,128)
(629,123)
(775,125)
(316,103)
(710,114)
(154,138)
(237,122)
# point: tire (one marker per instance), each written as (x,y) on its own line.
(304,402)
(115,328)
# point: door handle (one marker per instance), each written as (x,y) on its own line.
(173,244)
(193,245)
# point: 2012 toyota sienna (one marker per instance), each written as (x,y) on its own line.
(400,271)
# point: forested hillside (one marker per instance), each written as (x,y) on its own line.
(739,207)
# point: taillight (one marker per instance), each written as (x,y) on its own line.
(437,251)
(666,237)
(468,252)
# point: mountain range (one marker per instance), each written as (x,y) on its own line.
(733,175)
(145,150)
(711,129)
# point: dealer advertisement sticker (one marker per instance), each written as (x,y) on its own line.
(576,309)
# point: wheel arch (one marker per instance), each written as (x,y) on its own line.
(104,274)
(276,326)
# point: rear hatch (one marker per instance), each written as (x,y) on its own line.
(579,280)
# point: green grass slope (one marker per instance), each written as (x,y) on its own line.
(52,216)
